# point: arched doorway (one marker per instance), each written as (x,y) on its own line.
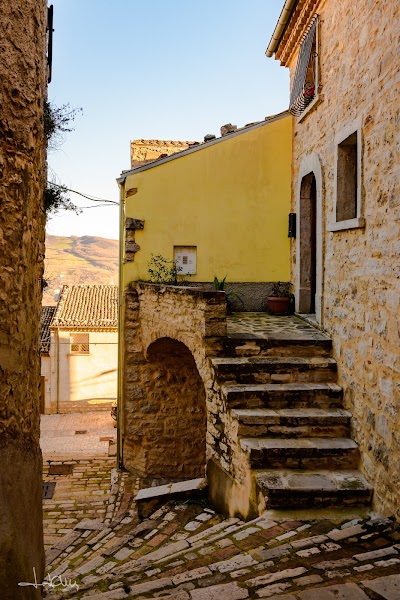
(174,412)
(308,245)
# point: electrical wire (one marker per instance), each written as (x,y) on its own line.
(87,196)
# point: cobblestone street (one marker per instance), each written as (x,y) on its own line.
(188,552)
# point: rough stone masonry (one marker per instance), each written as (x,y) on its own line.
(22,176)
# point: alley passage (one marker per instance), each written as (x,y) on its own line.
(187,552)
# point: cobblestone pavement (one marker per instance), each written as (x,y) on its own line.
(76,434)
(186,551)
(264,326)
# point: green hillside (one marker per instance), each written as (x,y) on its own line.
(76,260)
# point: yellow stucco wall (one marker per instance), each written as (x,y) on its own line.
(230,199)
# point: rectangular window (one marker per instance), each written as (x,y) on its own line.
(346,182)
(79,343)
(348,177)
(185,259)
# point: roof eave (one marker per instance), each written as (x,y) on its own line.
(283,20)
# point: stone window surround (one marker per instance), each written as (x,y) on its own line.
(359,221)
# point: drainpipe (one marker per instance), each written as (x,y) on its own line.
(280,27)
(120,441)
(58,373)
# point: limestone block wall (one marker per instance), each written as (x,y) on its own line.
(170,414)
(359,80)
(144,151)
(22,176)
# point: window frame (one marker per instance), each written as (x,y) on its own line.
(358,221)
(79,352)
(317,97)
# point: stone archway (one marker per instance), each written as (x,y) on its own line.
(309,246)
(172,443)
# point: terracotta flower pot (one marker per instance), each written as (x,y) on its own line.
(278,306)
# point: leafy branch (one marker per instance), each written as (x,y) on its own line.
(163,270)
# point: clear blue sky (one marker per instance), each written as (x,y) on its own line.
(159,69)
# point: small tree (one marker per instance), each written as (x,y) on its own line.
(56,198)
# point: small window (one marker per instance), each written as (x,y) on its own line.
(346,181)
(348,164)
(185,259)
(79,343)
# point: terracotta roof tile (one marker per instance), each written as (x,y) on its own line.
(45,321)
(87,306)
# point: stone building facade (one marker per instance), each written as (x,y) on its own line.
(345,192)
(22,167)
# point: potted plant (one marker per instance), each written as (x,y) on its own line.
(219,285)
(278,302)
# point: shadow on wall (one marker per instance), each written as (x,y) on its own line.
(174,411)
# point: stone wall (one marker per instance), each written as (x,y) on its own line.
(144,151)
(243,296)
(22,167)
(360,274)
(170,333)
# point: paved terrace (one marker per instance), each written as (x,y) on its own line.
(263,326)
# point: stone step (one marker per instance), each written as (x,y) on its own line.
(239,344)
(150,499)
(275,369)
(284,395)
(313,489)
(292,422)
(302,453)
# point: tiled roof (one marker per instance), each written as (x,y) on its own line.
(87,306)
(46,318)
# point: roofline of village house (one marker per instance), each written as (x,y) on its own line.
(81,327)
(283,20)
(160,161)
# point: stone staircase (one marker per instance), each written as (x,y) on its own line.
(290,421)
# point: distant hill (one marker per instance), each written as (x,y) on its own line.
(84,259)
